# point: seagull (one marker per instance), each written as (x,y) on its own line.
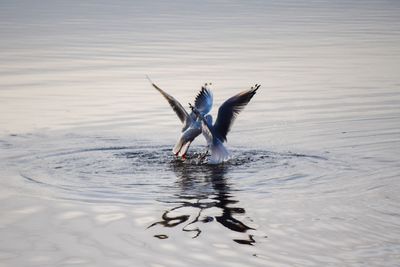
(216,133)
(192,126)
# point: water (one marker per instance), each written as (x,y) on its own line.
(87,177)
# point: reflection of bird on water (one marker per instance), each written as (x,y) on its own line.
(204,187)
(191,122)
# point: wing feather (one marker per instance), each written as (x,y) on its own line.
(204,100)
(230,109)
(176,106)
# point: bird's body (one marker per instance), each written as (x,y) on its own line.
(181,147)
(218,152)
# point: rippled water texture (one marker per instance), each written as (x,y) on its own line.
(87,177)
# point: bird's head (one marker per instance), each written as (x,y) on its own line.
(194,109)
(208,118)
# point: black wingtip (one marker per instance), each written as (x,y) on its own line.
(255,87)
(152,83)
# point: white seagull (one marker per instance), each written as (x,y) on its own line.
(216,134)
(192,126)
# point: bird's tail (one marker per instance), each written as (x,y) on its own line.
(219,153)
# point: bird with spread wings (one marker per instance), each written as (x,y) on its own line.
(216,134)
(191,121)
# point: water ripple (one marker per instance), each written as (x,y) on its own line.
(128,173)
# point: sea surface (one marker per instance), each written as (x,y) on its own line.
(87,176)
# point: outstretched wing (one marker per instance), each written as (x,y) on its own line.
(175,105)
(204,100)
(230,109)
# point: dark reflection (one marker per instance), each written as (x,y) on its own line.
(204,189)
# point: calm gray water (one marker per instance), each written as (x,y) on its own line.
(87,177)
